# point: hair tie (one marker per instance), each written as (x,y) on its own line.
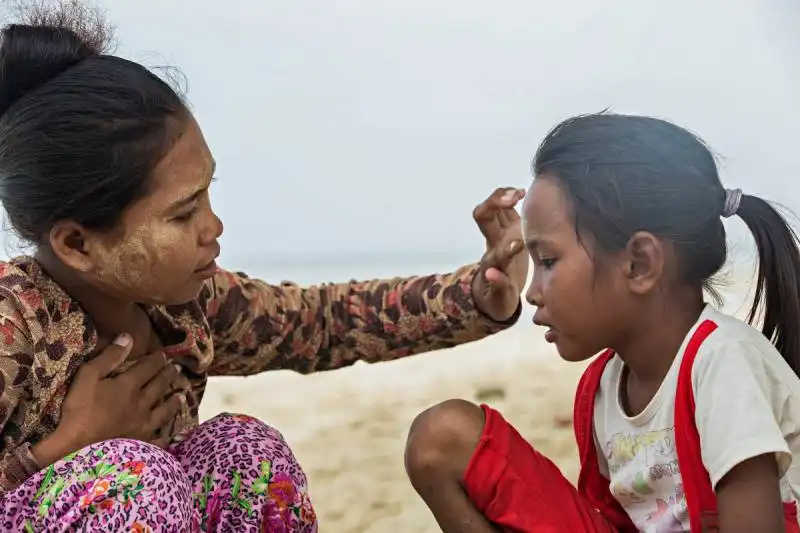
(733,197)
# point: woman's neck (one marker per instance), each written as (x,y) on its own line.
(652,347)
(110,316)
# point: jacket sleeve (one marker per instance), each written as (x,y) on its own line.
(258,327)
(16,356)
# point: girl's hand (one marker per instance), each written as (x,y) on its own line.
(504,268)
(101,406)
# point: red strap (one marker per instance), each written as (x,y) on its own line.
(585,395)
(591,483)
(701,501)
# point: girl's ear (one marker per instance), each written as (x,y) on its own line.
(645,261)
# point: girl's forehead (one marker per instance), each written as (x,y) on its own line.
(545,207)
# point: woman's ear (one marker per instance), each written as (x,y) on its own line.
(72,244)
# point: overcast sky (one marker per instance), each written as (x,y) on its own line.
(375,126)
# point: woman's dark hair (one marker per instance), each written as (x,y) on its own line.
(80,131)
(625,174)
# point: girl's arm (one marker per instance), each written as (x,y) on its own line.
(741,396)
(749,498)
(257,326)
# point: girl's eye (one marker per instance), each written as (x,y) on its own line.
(547,263)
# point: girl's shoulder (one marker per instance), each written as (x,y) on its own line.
(733,335)
(731,330)
(736,343)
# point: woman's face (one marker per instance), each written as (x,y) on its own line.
(166,244)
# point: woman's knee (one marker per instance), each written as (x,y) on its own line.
(248,430)
(442,440)
(241,424)
(100,481)
(261,458)
(149,463)
(125,450)
(241,441)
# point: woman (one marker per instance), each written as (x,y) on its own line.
(110,331)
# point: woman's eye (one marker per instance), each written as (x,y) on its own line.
(187,216)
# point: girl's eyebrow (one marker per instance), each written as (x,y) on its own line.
(535,242)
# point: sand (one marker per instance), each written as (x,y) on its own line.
(348,427)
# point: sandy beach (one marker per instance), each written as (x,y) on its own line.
(348,427)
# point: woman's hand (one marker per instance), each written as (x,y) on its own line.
(101,406)
(504,269)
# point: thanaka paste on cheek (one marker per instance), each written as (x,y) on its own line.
(132,266)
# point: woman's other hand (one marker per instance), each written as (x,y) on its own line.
(102,405)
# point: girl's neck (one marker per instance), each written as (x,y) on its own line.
(657,337)
(110,316)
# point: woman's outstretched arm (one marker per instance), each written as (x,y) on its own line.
(257,326)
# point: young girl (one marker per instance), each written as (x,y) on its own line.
(108,334)
(691,420)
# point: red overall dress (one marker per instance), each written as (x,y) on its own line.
(700,498)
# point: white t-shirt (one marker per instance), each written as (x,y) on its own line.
(747,404)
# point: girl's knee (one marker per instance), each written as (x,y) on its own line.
(442,440)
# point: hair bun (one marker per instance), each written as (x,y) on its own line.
(48,42)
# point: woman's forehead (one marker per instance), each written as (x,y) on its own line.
(187,167)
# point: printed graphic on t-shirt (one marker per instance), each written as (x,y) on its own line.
(646,480)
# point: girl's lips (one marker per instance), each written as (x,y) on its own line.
(551,335)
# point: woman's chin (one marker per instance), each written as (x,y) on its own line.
(184,296)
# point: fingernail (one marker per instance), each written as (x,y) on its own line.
(178,368)
(514,246)
(123,340)
(509,195)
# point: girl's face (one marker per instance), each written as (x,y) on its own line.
(582,301)
(166,245)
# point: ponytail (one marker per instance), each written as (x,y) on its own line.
(777,295)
